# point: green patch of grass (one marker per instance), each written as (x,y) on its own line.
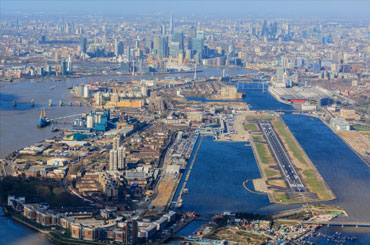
(258,138)
(250,126)
(314,184)
(283,198)
(270,173)
(262,153)
(293,147)
(361,128)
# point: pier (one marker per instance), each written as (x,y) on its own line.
(61,119)
(179,199)
(356,224)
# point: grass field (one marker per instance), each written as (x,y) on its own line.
(262,153)
(270,173)
(250,126)
(293,147)
(361,128)
(283,198)
(258,138)
(314,184)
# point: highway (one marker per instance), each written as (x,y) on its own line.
(285,164)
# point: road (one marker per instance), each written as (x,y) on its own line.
(285,164)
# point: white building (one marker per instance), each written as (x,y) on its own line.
(113,160)
(121,158)
(86,91)
(340,124)
(57,162)
(98,99)
(89,121)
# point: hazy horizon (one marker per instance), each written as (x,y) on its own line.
(357,9)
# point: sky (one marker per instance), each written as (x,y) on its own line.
(348,9)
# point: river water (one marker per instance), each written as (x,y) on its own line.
(18,125)
(14,233)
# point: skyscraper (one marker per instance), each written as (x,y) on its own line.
(121,158)
(113,160)
(197,44)
(64,68)
(171,25)
(179,37)
(117,156)
(128,53)
(70,65)
(264,28)
(200,35)
(118,47)
(137,43)
(163,30)
(116,141)
(162,47)
(83,45)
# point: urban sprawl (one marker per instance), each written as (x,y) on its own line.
(119,172)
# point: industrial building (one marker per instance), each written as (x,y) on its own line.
(315,95)
(339,124)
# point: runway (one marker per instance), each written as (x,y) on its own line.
(285,164)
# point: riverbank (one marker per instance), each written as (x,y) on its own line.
(352,144)
(41,236)
(18,125)
(79,75)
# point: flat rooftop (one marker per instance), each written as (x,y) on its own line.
(301,93)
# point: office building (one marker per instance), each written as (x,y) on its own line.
(162,47)
(64,68)
(197,45)
(118,48)
(98,99)
(121,158)
(70,65)
(171,25)
(84,45)
(200,35)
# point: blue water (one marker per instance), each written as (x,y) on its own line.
(257,100)
(191,228)
(254,97)
(202,99)
(12,232)
(362,235)
(216,181)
